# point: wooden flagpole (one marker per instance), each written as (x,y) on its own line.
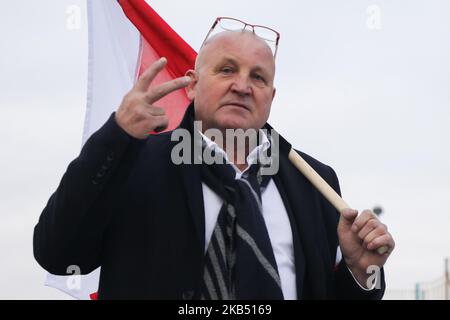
(321,185)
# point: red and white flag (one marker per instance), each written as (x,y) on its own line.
(125,37)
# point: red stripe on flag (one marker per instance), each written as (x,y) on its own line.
(166,42)
(160,40)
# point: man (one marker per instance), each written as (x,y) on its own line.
(166,231)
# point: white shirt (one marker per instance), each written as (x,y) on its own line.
(274,214)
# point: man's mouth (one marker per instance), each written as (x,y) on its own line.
(236,104)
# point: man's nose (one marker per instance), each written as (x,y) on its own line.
(241,86)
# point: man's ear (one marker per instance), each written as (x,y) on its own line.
(191,88)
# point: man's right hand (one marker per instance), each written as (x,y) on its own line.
(137,115)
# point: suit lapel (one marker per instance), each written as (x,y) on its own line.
(191,181)
(192,187)
(299,256)
(302,199)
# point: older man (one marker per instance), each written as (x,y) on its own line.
(161,230)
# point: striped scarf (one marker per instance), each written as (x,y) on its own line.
(239,261)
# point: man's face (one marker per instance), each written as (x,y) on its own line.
(233,82)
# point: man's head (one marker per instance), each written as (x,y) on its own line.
(233,81)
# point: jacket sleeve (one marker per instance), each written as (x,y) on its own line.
(345,284)
(71,227)
(348,289)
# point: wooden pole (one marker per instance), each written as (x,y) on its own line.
(321,185)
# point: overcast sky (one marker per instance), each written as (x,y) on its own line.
(363,86)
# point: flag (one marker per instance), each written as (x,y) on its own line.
(125,37)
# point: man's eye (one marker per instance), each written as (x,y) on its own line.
(258,77)
(227,70)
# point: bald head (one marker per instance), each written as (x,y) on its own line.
(233,81)
(246,40)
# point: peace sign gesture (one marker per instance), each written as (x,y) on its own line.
(137,114)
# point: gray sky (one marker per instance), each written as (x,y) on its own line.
(368,96)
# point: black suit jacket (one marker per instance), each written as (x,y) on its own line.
(123,205)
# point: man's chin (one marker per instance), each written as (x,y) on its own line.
(234,123)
